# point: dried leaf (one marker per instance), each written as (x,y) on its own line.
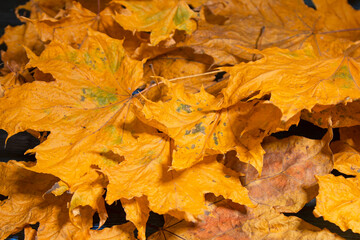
(290,165)
(226,25)
(227,220)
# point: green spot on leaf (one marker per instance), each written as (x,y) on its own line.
(101,96)
(186,108)
(198,128)
(117,138)
(182,15)
(215,139)
(345,74)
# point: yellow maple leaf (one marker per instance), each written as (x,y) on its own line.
(338,200)
(89,192)
(179,193)
(28,203)
(179,68)
(199,127)
(71,27)
(224,26)
(86,108)
(15,38)
(306,80)
(137,212)
(161,18)
(42,7)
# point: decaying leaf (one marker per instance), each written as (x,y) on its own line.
(224,26)
(227,220)
(287,181)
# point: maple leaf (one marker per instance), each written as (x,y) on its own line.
(14,58)
(339,18)
(85,108)
(28,203)
(15,38)
(89,192)
(227,220)
(62,28)
(41,7)
(199,127)
(71,25)
(337,199)
(290,165)
(225,25)
(314,80)
(158,17)
(346,158)
(168,149)
(179,193)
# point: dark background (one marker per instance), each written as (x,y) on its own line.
(18,144)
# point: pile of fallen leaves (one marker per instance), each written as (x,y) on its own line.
(168,106)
